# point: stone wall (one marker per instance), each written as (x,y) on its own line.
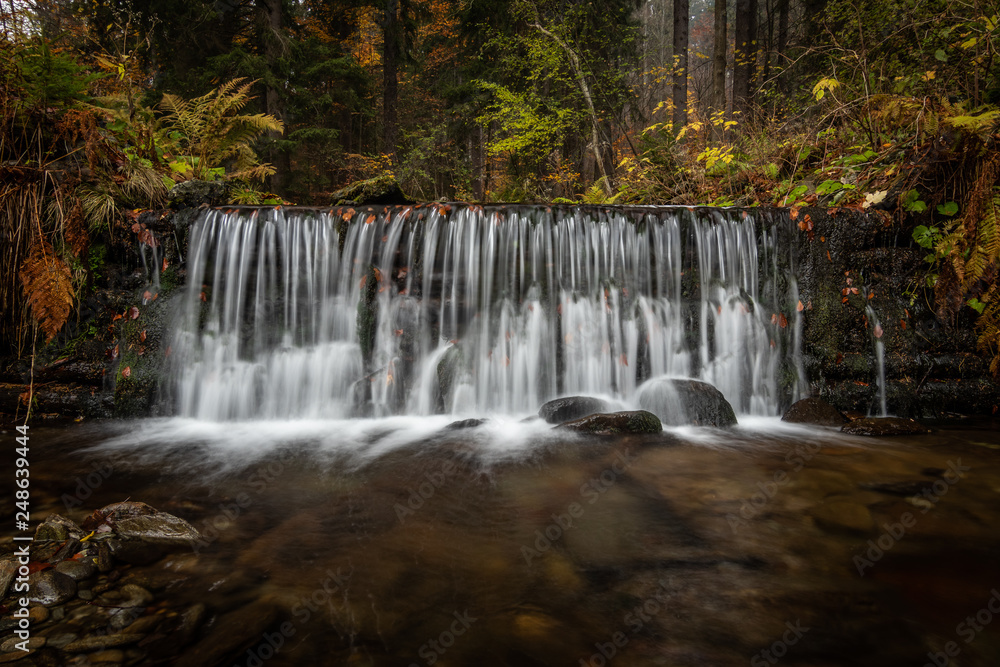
(932,367)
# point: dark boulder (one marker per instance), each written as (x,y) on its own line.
(681,402)
(194,193)
(571,407)
(615,423)
(51,588)
(880,426)
(814,411)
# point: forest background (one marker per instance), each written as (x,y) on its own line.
(888,106)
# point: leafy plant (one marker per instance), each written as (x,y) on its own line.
(209,133)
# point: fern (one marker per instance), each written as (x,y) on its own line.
(48,287)
(211,132)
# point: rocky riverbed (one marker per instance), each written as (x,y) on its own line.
(459,547)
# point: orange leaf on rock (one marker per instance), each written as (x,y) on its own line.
(133,313)
(799,307)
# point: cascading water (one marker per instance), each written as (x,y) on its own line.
(302,313)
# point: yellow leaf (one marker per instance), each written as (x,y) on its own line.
(969,43)
(929,75)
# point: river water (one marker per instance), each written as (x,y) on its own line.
(394,542)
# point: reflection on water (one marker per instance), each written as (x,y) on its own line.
(395,542)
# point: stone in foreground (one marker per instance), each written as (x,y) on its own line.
(881,426)
(814,411)
(681,402)
(569,408)
(616,423)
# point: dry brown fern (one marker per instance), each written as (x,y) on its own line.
(48,287)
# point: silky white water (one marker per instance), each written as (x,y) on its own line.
(465,310)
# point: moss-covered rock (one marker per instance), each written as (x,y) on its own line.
(194,193)
(379,190)
(616,423)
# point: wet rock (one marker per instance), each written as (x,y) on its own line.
(135,596)
(77,570)
(88,644)
(51,588)
(463,424)
(58,528)
(110,515)
(38,615)
(161,528)
(881,426)
(144,625)
(814,411)
(843,515)
(85,594)
(231,635)
(8,567)
(68,550)
(571,407)
(62,640)
(680,402)
(614,423)
(103,560)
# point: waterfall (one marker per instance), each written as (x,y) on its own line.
(309,313)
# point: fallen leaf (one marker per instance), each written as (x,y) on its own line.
(799,307)
(782,321)
(902,324)
(828,256)
(840,357)
(127,372)
(163,267)
(878,330)
(623,359)
(142,336)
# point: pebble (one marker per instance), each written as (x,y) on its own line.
(38,615)
(144,625)
(9,644)
(85,594)
(58,614)
(137,596)
(76,570)
(51,588)
(61,640)
(107,641)
(113,655)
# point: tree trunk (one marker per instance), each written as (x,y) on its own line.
(390,80)
(746,56)
(681,17)
(274,103)
(720,45)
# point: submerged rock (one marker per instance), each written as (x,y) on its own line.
(881,426)
(814,411)
(681,402)
(571,407)
(614,423)
(463,424)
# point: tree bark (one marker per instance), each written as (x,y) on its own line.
(681,17)
(390,80)
(720,45)
(274,103)
(746,56)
